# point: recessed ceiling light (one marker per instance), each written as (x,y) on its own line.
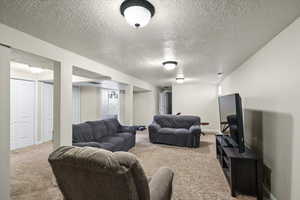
(137,12)
(170,65)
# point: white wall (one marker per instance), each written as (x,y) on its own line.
(122,107)
(197,99)
(4,122)
(89,103)
(145,106)
(269,84)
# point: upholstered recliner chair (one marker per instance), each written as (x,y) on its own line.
(96,174)
(179,130)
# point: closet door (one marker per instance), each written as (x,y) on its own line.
(47,112)
(22,113)
(76,105)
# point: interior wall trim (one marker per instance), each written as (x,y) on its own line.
(266,191)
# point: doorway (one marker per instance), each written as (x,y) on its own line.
(23,109)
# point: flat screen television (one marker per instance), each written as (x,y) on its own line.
(231,120)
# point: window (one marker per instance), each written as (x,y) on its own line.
(110,103)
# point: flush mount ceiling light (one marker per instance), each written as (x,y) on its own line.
(220,74)
(137,12)
(170,65)
(180,78)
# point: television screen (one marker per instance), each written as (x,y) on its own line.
(231,119)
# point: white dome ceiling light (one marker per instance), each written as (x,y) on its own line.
(137,12)
(180,77)
(170,65)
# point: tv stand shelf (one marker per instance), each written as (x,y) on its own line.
(240,169)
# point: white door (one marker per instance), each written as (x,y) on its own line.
(76,105)
(47,112)
(22,113)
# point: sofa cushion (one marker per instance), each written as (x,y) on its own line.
(99,129)
(107,146)
(113,139)
(82,133)
(165,121)
(112,126)
(176,121)
(182,131)
(173,131)
(167,131)
(126,136)
(116,141)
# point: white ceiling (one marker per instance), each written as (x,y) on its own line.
(204,36)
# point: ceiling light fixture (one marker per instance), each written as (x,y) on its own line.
(137,12)
(170,65)
(180,78)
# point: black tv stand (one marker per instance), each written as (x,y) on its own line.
(241,169)
(228,142)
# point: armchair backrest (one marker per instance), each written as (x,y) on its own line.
(176,121)
(90,173)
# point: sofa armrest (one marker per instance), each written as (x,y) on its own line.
(128,129)
(154,127)
(195,129)
(160,184)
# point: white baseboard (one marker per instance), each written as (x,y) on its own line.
(39,142)
(272,197)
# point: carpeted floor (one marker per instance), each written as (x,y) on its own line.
(198,175)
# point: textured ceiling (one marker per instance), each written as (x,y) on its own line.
(204,36)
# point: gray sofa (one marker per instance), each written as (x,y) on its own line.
(107,134)
(94,174)
(179,130)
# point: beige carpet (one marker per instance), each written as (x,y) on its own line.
(197,172)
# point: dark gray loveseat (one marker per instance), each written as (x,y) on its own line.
(179,130)
(106,134)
